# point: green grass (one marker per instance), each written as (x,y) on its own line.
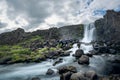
(32,39)
(19,53)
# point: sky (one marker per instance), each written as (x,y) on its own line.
(32,15)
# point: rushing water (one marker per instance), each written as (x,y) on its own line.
(89,36)
(27,71)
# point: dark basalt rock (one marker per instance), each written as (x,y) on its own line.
(66,76)
(108,28)
(90,75)
(65,69)
(58,61)
(66,72)
(77,76)
(83,60)
(50,72)
(65,53)
(79,53)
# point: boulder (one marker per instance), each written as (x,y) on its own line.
(65,53)
(93,52)
(83,60)
(65,69)
(112,51)
(79,44)
(66,76)
(50,72)
(91,75)
(58,61)
(66,47)
(77,76)
(66,72)
(103,49)
(89,55)
(79,53)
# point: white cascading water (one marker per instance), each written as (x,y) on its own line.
(89,30)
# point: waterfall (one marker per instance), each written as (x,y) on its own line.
(89,36)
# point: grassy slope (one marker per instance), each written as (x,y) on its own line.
(18,53)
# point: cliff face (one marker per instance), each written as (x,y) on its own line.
(19,35)
(108,28)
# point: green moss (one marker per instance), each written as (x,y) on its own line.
(5,48)
(43,50)
(32,39)
(46,50)
(16,47)
(20,54)
(21,51)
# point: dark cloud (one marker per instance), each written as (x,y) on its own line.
(36,10)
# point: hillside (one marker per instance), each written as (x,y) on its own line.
(19,35)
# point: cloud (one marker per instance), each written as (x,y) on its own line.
(2,25)
(43,14)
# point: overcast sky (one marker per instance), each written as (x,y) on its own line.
(43,14)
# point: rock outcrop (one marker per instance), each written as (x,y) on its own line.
(108,28)
(19,35)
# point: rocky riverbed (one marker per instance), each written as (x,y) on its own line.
(66,68)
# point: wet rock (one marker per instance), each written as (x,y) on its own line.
(66,53)
(67,47)
(114,62)
(66,76)
(53,54)
(50,72)
(66,72)
(103,49)
(79,53)
(112,51)
(58,61)
(89,55)
(79,44)
(93,52)
(111,77)
(65,69)
(77,76)
(83,60)
(91,75)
